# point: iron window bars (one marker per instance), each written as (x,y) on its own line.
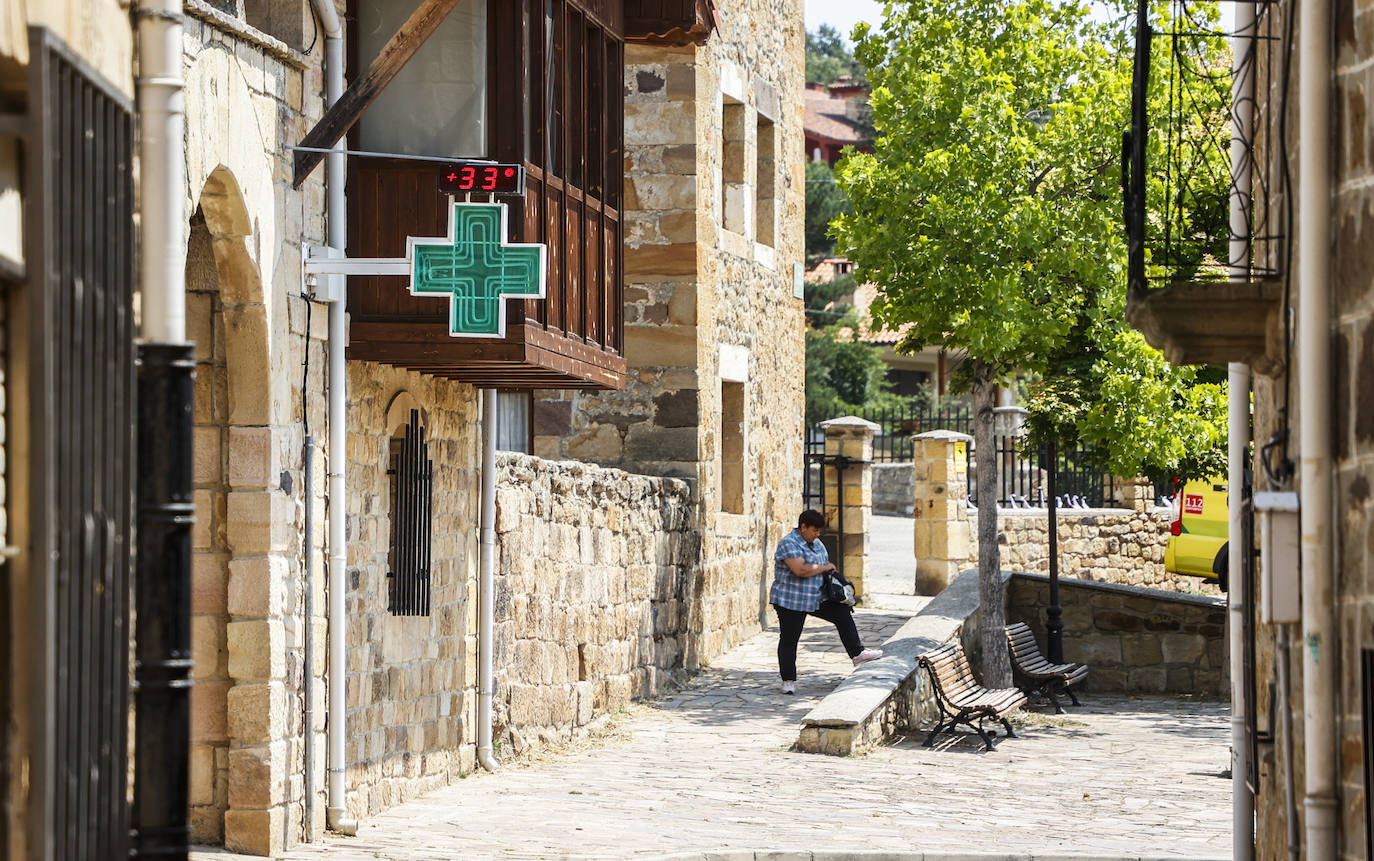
(412,515)
(77,303)
(1176,194)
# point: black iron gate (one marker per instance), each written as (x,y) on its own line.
(78,342)
(813,492)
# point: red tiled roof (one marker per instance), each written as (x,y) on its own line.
(864,295)
(826,118)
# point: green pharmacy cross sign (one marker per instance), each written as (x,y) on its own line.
(477,269)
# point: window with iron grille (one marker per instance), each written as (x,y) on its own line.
(412,514)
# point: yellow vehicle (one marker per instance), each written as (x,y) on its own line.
(1197,536)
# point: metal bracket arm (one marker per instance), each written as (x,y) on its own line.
(322,265)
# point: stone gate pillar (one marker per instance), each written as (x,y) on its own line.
(848,483)
(940,463)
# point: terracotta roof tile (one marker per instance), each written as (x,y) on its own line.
(826,117)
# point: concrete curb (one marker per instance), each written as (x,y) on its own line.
(871,855)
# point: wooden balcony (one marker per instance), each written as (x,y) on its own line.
(671,22)
(570,339)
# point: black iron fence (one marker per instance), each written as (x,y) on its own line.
(77,311)
(1022,471)
(897,425)
(1023,476)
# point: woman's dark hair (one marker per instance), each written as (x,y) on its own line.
(811,517)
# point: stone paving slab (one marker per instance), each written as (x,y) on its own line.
(708,773)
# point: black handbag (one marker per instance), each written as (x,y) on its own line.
(836,589)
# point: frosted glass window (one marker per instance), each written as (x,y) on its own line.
(437,105)
(513,421)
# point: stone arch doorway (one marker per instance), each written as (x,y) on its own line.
(232,586)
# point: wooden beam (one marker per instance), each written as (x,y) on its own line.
(345,112)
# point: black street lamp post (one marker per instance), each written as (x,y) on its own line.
(1054,622)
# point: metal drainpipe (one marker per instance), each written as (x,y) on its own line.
(1239,594)
(1285,705)
(1320,643)
(336,212)
(486,605)
(1243,57)
(158,819)
(162,177)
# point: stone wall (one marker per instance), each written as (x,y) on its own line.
(247,95)
(411,679)
(1134,640)
(1109,545)
(894,487)
(714,197)
(596,578)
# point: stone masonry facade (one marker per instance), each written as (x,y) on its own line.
(412,680)
(1351,412)
(714,194)
(699,457)
(594,590)
(248,94)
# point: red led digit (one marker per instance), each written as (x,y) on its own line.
(469,174)
(488,178)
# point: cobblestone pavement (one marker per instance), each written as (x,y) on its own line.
(709,771)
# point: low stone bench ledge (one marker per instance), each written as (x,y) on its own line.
(850,717)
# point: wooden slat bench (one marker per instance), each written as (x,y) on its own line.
(961,699)
(1038,674)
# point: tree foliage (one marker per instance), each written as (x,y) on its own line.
(843,375)
(987,210)
(989,214)
(1105,386)
(825,201)
(828,58)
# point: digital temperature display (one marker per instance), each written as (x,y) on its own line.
(463,177)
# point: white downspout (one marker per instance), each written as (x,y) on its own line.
(1240,591)
(1238,595)
(162,173)
(486,604)
(1320,646)
(337,218)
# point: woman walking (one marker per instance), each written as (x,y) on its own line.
(797,565)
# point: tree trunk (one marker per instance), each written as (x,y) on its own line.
(991,602)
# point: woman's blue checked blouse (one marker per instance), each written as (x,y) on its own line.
(789,590)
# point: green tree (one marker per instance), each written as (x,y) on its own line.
(825,201)
(828,58)
(843,375)
(988,210)
(1106,387)
(989,214)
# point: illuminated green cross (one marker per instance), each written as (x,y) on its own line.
(477,268)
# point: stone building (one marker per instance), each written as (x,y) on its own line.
(664,182)
(1299,332)
(714,350)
